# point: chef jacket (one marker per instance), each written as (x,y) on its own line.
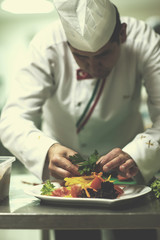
(89,114)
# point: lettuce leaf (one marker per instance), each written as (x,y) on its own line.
(47,188)
(85,166)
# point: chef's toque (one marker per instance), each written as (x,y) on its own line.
(88,24)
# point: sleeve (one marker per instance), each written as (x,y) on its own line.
(21,115)
(145,147)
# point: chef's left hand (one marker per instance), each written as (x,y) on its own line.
(117,159)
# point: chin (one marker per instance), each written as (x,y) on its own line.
(101,74)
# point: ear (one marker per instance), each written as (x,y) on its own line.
(123,35)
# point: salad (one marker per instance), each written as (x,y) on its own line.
(90,184)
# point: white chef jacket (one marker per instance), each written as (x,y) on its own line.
(46,89)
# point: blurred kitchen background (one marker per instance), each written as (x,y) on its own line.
(17,29)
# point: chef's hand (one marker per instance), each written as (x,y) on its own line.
(59,164)
(119,160)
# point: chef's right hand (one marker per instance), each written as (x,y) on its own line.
(59,164)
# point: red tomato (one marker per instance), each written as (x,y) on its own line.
(121,178)
(118,189)
(60,192)
(96,183)
(75,190)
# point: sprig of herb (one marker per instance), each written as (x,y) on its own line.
(156,188)
(76,159)
(85,166)
(47,188)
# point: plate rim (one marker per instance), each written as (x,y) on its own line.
(145,190)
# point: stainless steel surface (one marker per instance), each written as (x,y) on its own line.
(21,211)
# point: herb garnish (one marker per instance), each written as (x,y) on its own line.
(47,188)
(156,188)
(85,166)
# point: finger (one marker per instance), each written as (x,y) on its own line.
(60,173)
(109,156)
(64,164)
(61,170)
(73,169)
(132,172)
(114,163)
(99,160)
(127,165)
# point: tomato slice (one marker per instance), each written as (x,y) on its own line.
(96,183)
(60,192)
(121,178)
(118,189)
(75,190)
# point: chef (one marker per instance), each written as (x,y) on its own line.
(80,90)
(82,83)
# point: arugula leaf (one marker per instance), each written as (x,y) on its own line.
(47,188)
(156,188)
(85,166)
(77,158)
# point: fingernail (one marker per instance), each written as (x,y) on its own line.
(128,175)
(98,161)
(122,168)
(105,168)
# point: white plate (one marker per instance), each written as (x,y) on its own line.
(130,193)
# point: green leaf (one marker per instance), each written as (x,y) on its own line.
(77,158)
(156,188)
(85,166)
(47,188)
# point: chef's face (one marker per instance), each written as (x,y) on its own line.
(99,64)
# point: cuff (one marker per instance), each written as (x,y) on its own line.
(145,151)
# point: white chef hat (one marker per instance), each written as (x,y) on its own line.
(88,24)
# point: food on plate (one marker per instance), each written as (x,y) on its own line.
(91,183)
(92,186)
(47,188)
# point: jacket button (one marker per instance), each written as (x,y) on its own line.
(79,104)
